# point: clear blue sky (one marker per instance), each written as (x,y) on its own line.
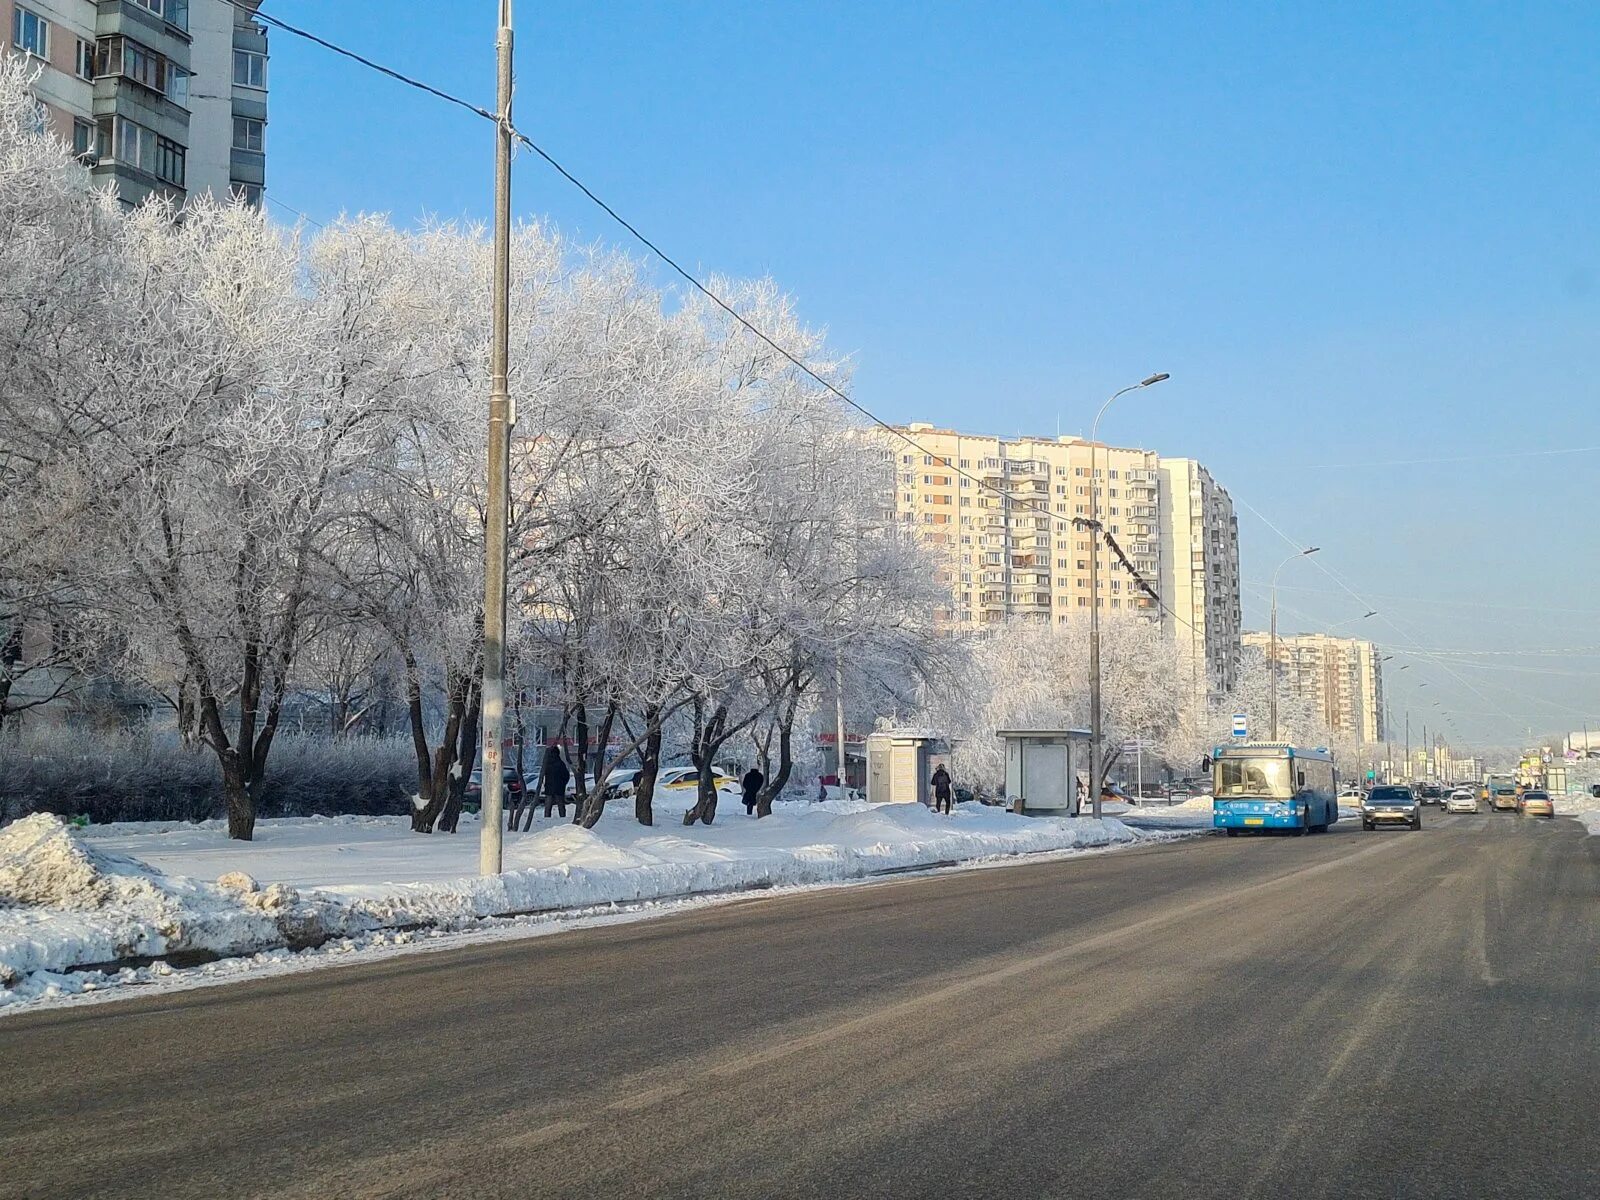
(1358,234)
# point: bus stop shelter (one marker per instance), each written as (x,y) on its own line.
(1042,769)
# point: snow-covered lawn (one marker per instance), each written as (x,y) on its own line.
(73,898)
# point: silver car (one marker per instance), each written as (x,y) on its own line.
(1462,800)
(1391,804)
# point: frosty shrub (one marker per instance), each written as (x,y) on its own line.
(142,777)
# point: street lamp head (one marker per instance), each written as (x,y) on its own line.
(1309,550)
(1154,379)
(1371,612)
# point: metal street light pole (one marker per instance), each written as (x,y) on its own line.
(501,417)
(1272,655)
(1095,732)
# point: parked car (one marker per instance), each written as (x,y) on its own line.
(512,787)
(1536,802)
(1462,800)
(1351,798)
(1391,804)
(1179,792)
(688,778)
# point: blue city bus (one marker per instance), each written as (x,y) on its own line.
(1273,785)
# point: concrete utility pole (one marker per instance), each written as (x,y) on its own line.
(1272,652)
(838,715)
(501,418)
(1095,732)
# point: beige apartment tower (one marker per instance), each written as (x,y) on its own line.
(157,97)
(1018,557)
(1341,677)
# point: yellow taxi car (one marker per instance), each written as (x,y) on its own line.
(688,779)
(1536,803)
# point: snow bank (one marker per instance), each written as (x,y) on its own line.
(65,903)
(73,898)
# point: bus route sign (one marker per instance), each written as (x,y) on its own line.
(1241,725)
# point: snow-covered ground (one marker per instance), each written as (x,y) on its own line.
(1194,813)
(1584,807)
(109,896)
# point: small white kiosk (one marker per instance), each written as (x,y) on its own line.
(899,764)
(1042,769)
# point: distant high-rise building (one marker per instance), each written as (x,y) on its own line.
(1017,555)
(1341,677)
(1200,566)
(158,96)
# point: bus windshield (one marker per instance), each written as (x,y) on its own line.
(1254,777)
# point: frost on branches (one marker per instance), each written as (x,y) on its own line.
(242,464)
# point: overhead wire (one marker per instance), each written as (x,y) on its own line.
(688,277)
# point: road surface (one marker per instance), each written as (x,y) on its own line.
(1357,1014)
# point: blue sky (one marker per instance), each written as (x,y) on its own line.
(1358,236)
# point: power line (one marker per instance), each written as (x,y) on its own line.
(289,208)
(370,64)
(689,278)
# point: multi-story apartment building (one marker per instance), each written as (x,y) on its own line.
(1019,556)
(158,96)
(1200,566)
(1342,677)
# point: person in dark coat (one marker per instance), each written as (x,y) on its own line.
(553,777)
(751,783)
(943,792)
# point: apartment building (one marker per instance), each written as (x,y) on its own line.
(1018,555)
(1342,677)
(165,97)
(1200,567)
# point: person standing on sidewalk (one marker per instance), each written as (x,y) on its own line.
(553,776)
(751,786)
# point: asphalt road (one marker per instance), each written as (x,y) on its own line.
(1386,1014)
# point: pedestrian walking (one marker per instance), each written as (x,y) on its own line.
(553,777)
(751,783)
(943,793)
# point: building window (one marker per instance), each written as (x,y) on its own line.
(127,58)
(173,12)
(249,69)
(250,193)
(85,64)
(136,146)
(249,134)
(171,160)
(30,32)
(83,140)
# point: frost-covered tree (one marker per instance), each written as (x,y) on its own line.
(1028,675)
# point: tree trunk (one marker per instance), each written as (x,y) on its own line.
(438,779)
(466,759)
(644,788)
(580,768)
(236,793)
(709,736)
(773,788)
(597,798)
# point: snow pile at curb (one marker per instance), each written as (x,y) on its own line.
(65,904)
(71,898)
